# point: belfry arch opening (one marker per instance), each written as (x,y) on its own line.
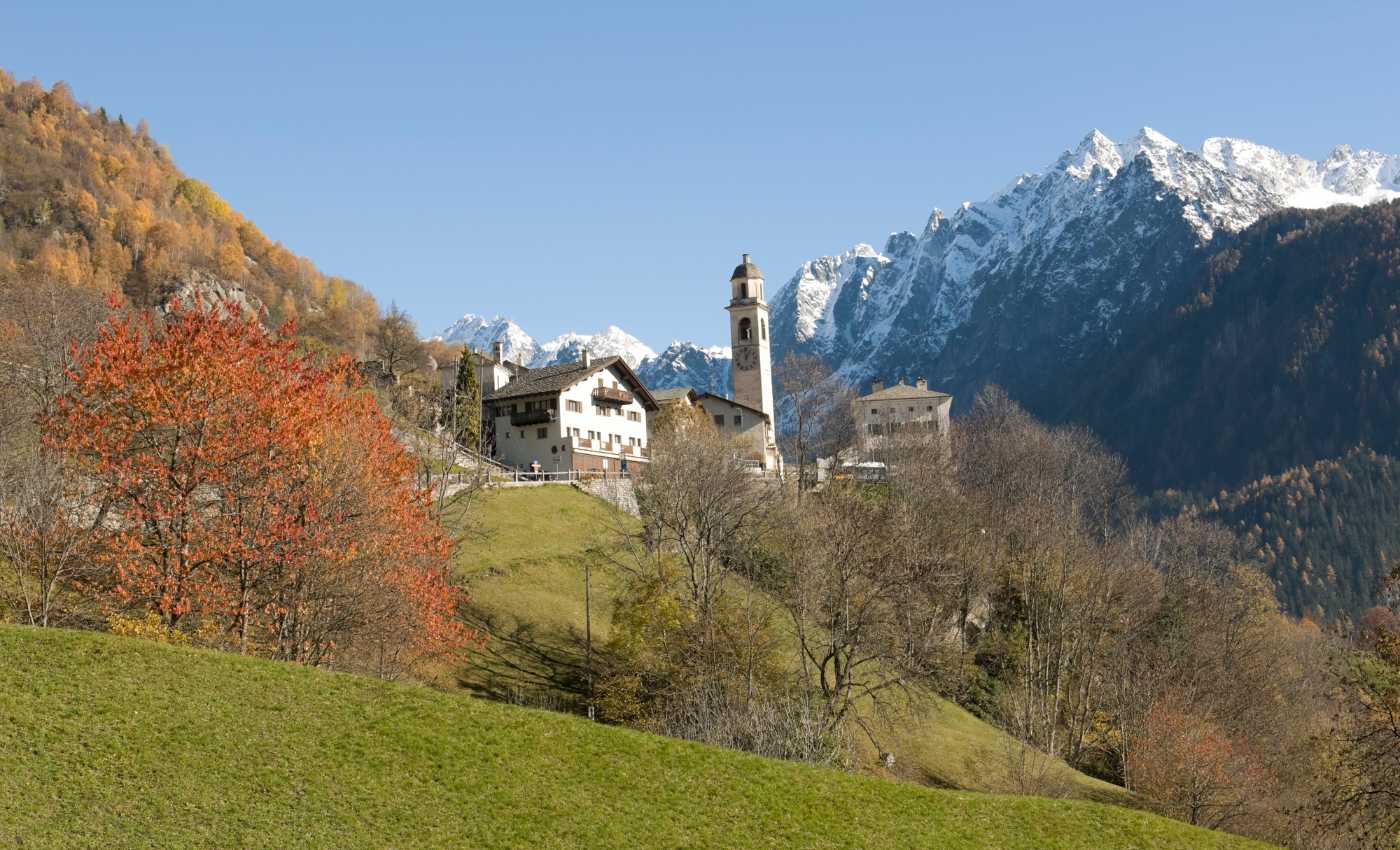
(745,329)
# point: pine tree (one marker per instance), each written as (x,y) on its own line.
(467,402)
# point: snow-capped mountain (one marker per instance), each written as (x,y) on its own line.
(480,333)
(685,364)
(1055,265)
(682,364)
(613,342)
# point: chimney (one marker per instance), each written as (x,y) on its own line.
(498,351)
(586,359)
(920,383)
(876,386)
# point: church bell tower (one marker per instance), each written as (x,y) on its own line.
(752,371)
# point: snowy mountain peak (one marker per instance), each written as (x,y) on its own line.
(480,333)
(612,342)
(1057,253)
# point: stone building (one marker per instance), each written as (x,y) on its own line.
(886,412)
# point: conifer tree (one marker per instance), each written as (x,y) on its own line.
(467,402)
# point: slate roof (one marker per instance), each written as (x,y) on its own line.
(549,380)
(700,400)
(903,390)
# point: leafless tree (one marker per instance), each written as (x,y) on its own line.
(46,538)
(395,342)
(818,405)
(865,596)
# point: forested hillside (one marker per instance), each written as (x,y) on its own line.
(1326,533)
(1270,396)
(1286,352)
(89,201)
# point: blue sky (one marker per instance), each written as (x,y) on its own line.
(576,165)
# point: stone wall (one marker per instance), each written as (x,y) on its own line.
(616,491)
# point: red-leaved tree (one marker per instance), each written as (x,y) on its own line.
(255,493)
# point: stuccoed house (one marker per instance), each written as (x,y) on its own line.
(589,416)
(749,427)
(886,412)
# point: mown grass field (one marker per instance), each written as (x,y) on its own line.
(110,742)
(524,558)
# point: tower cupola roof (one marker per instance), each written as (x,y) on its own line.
(746,270)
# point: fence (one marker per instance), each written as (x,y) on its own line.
(506,475)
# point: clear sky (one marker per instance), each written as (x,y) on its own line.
(578,164)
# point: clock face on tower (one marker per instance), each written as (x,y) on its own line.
(746,358)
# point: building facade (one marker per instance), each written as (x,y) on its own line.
(886,412)
(587,416)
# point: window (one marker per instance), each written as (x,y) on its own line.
(745,329)
(573,406)
(874,411)
(719,420)
(634,416)
(617,438)
(600,382)
(911,408)
(522,433)
(542,433)
(574,432)
(738,419)
(873,429)
(930,407)
(763,328)
(512,408)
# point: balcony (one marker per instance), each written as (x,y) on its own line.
(608,395)
(532,417)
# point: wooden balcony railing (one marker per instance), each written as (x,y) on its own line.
(609,395)
(532,417)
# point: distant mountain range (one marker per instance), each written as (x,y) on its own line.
(1049,271)
(681,364)
(1182,303)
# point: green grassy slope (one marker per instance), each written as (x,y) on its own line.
(112,742)
(524,561)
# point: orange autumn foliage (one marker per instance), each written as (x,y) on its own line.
(248,486)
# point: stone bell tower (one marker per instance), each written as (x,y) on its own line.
(748,334)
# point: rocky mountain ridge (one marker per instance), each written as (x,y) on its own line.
(706,369)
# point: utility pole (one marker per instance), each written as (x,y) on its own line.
(588,629)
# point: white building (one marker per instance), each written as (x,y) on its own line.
(590,415)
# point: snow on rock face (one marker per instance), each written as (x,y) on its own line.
(613,342)
(480,333)
(682,364)
(685,364)
(1054,259)
(1345,177)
